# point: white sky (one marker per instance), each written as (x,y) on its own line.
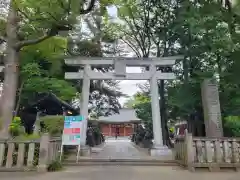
(129,87)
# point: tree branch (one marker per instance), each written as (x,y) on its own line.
(50,33)
(89,8)
(138,54)
(2,40)
(32,41)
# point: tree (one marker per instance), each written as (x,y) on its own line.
(30,23)
(205,32)
(142,104)
(96,43)
(43,70)
(129,103)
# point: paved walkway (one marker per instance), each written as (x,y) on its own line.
(122,173)
(122,148)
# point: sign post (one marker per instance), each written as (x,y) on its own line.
(71,133)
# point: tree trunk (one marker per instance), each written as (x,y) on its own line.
(11,72)
(19,98)
(163,110)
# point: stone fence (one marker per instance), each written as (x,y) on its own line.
(29,155)
(203,152)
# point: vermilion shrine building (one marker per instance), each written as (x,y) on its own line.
(125,121)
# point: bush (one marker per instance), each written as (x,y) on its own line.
(53,124)
(232,126)
(55,166)
(97,135)
(16,127)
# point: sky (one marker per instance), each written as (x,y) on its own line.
(130,87)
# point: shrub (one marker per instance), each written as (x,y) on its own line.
(232,126)
(53,124)
(54,166)
(16,128)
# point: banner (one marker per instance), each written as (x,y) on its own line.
(72,130)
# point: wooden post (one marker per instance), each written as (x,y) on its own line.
(20,157)
(30,158)
(43,153)
(110,129)
(2,152)
(189,156)
(10,152)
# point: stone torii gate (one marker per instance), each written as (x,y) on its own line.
(119,73)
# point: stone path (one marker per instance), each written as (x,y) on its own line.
(122,173)
(121,148)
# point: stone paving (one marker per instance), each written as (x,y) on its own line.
(121,148)
(122,173)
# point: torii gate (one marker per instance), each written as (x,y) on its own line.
(119,73)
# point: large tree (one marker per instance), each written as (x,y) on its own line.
(204,32)
(30,22)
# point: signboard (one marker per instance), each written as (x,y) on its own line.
(72,130)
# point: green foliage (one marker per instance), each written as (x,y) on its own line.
(27,137)
(42,71)
(42,15)
(142,105)
(61,88)
(55,166)
(16,128)
(53,124)
(205,33)
(232,126)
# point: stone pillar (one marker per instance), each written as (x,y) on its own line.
(159,150)
(84,103)
(43,153)
(156,116)
(211,108)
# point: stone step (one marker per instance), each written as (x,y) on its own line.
(118,162)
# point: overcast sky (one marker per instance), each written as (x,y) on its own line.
(129,87)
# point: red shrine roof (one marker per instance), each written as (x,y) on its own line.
(125,115)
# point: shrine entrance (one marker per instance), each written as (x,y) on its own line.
(124,123)
(119,64)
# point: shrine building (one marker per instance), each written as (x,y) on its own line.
(124,122)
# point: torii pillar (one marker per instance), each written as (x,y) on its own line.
(84,104)
(158,148)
